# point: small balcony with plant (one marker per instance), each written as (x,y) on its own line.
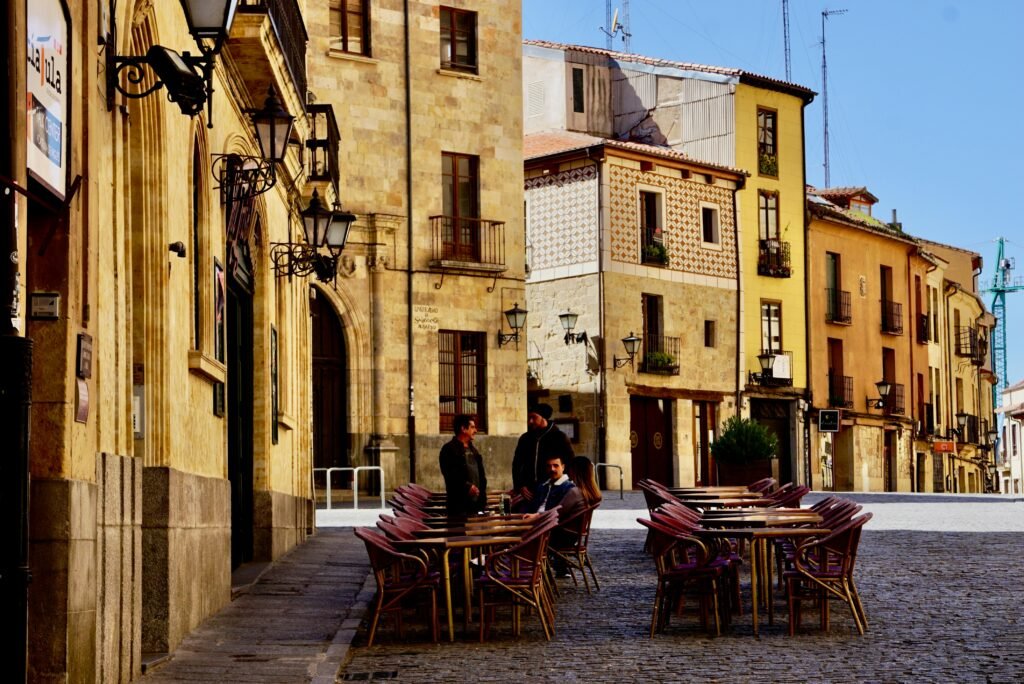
(773,259)
(661,355)
(653,251)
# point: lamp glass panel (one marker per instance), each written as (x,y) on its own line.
(282,130)
(337,230)
(209,18)
(883,388)
(264,131)
(568,320)
(516,317)
(631,343)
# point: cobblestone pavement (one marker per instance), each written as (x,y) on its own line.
(943,606)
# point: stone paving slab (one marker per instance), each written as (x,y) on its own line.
(942,607)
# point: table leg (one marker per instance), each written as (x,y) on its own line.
(446,577)
(768,588)
(754,572)
(467,588)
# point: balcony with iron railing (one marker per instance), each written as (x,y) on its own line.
(840,391)
(837,306)
(773,259)
(653,251)
(286,20)
(971,345)
(661,355)
(892,317)
(779,375)
(924,328)
(459,242)
(895,403)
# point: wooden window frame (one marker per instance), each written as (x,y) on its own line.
(778,305)
(765,212)
(451,374)
(768,150)
(450,31)
(340,42)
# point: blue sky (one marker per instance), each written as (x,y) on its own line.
(925,100)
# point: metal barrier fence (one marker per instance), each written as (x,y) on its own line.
(617,467)
(355,481)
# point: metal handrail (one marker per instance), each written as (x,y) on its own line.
(617,467)
(355,482)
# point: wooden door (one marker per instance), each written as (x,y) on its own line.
(331,439)
(240,421)
(651,439)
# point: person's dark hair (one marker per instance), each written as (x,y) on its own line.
(556,457)
(461,421)
(581,472)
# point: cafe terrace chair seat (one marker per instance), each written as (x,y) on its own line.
(683,562)
(823,570)
(400,578)
(515,577)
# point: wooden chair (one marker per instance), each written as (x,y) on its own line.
(569,543)
(399,577)
(823,570)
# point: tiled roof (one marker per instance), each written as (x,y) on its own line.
(767,81)
(844,193)
(822,208)
(536,145)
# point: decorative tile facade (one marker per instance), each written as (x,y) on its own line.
(682,229)
(562,216)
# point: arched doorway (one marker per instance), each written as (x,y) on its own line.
(331,436)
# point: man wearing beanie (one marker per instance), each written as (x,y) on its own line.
(541,441)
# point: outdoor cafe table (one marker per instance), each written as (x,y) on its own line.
(759,527)
(444,545)
(724,502)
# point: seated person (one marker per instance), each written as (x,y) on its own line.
(557,490)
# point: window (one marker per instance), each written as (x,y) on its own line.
(458,40)
(652,243)
(709,224)
(709,333)
(460,206)
(771,327)
(197,300)
(462,377)
(577,90)
(768,215)
(350,26)
(767,150)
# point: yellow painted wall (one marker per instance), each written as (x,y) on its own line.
(790,186)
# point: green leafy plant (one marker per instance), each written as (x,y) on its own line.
(655,253)
(659,359)
(768,164)
(743,440)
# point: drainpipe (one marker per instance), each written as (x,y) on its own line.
(911,341)
(602,405)
(808,359)
(947,293)
(16,369)
(409,266)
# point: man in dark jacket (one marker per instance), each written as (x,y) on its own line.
(463,470)
(542,440)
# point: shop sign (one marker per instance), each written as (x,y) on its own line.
(944,447)
(47,93)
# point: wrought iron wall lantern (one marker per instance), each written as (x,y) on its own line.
(322,226)
(961,421)
(568,320)
(187,77)
(241,177)
(516,319)
(632,345)
(884,387)
(765,360)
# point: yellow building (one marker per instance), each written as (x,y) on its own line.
(727,117)
(867,320)
(657,268)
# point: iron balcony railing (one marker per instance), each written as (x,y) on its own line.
(892,317)
(895,403)
(467,242)
(780,374)
(840,391)
(970,344)
(837,306)
(322,144)
(924,328)
(773,259)
(286,17)
(661,355)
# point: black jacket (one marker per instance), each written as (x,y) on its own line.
(453,462)
(534,447)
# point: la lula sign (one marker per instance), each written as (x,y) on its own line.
(47,95)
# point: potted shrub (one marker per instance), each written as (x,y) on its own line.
(659,361)
(655,253)
(745,451)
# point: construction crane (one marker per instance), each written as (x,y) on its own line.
(1003,282)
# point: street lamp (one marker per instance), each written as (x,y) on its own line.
(322,226)
(884,387)
(632,345)
(568,320)
(516,319)
(961,421)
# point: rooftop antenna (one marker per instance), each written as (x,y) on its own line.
(785,38)
(612,20)
(824,86)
